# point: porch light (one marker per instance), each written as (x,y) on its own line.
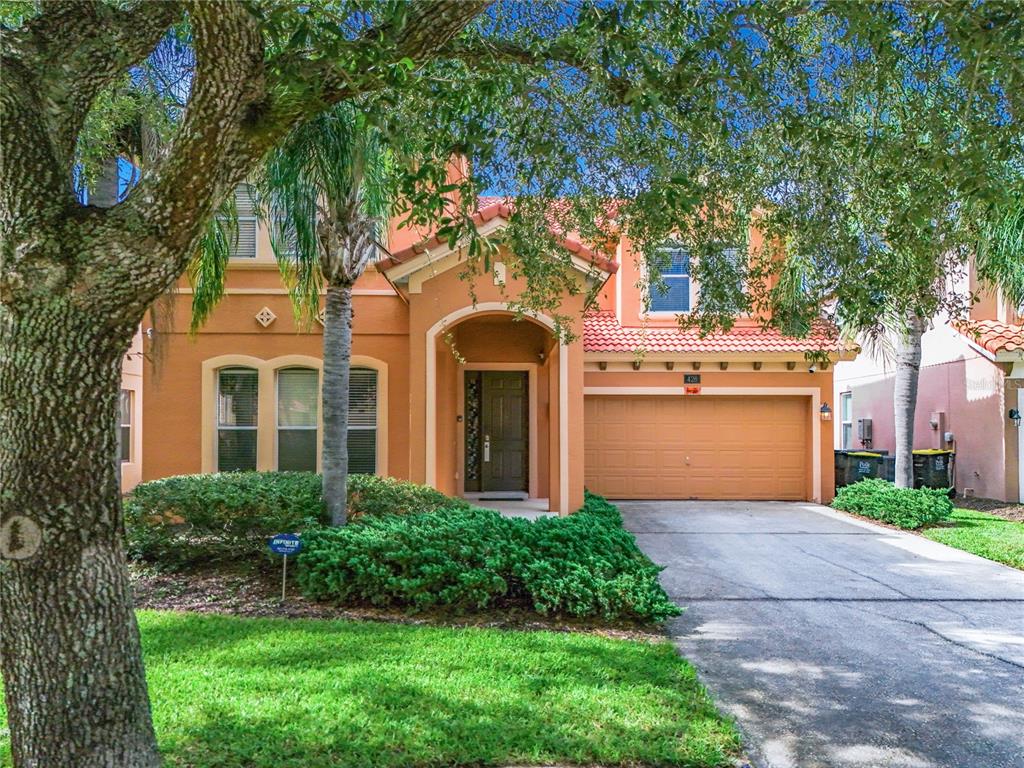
(1014,416)
(826,412)
(636,365)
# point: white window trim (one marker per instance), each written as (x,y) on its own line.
(845,397)
(646,297)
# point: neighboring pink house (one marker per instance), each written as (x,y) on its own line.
(972,377)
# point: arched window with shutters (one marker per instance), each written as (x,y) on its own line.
(298,401)
(237,419)
(362,421)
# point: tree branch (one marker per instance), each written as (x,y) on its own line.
(77,47)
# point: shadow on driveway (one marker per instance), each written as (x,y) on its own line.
(834,642)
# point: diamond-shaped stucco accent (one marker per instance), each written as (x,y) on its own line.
(265,317)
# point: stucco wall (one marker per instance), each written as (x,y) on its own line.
(966,394)
(172,437)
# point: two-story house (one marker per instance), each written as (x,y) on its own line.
(468,398)
(971,385)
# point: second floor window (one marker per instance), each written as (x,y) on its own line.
(245,246)
(672,292)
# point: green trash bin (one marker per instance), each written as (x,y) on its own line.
(933,468)
(854,466)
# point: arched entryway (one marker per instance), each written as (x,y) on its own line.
(495,406)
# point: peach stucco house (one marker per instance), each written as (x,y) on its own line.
(972,376)
(468,398)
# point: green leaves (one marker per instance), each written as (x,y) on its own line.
(903,507)
(465,559)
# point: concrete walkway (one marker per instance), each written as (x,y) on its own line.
(834,642)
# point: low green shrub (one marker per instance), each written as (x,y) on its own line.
(370,495)
(178,521)
(465,559)
(904,507)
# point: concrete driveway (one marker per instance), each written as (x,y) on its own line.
(839,643)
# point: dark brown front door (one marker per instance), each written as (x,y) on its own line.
(497,432)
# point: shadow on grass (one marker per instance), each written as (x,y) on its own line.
(230,692)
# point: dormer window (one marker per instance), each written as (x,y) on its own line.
(672,292)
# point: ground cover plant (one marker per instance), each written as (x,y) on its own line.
(466,559)
(179,521)
(909,508)
(277,693)
(982,534)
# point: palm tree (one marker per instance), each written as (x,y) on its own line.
(325,192)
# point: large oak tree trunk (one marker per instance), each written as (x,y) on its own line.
(337,367)
(69,643)
(908,368)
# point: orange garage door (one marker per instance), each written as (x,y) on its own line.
(697,447)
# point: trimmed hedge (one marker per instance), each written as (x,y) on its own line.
(466,559)
(904,507)
(179,521)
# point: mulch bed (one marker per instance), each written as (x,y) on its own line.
(254,591)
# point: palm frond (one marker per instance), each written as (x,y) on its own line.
(208,269)
(1000,252)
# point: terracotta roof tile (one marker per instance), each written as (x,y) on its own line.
(603,333)
(994,336)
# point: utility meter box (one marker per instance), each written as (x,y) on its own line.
(864,430)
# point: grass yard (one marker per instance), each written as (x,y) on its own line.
(986,535)
(230,692)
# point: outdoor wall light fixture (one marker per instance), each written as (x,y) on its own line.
(636,365)
(1014,415)
(826,412)
(602,365)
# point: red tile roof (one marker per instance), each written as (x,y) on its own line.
(994,336)
(492,208)
(602,333)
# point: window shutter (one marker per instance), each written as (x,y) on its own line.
(362,421)
(245,246)
(243,201)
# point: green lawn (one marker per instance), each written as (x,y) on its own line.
(986,535)
(231,692)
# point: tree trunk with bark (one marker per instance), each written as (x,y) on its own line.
(75,282)
(908,368)
(337,370)
(69,643)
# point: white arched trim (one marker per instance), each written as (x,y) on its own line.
(430,442)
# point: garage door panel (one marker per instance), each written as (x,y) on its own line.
(697,447)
